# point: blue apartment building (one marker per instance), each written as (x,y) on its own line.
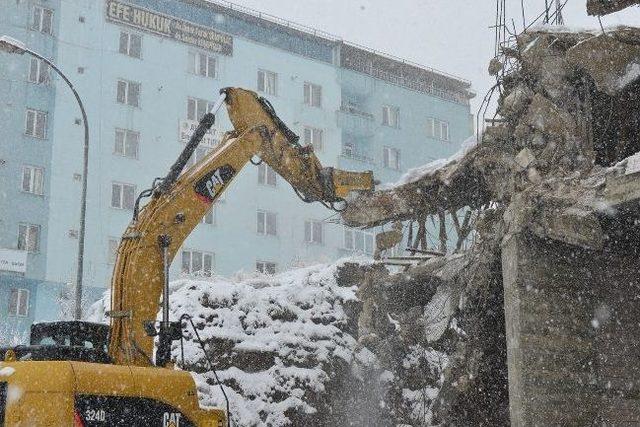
(147,70)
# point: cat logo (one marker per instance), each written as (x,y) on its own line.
(171,419)
(211,184)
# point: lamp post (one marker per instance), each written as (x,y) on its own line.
(11,45)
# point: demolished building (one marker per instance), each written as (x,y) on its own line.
(541,311)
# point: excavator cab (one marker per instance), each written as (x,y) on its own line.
(67,340)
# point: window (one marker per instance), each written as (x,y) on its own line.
(197,262)
(197,108)
(437,129)
(203,65)
(313,136)
(431,127)
(128,93)
(312,95)
(390,116)
(36,124)
(39,71)
(126,144)
(267,223)
(42,20)
(391,158)
(19,302)
(33,180)
(267,82)
(348,150)
(358,240)
(113,250)
(29,237)
(123,196)
(131,44)
(313,231)
(266,267)
(266,175)
(444,131)
(210,217)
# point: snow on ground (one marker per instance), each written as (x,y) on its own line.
(280,335)
(414,174)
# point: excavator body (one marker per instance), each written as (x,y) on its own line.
(82,394)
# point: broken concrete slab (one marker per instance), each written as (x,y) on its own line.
(605,7)
(612,61)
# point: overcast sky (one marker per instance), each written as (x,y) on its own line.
(451,35)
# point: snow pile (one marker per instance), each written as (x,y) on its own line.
(414,174)
(279,343)
(279,334)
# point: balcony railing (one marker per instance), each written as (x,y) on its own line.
(350,108)
(357,157)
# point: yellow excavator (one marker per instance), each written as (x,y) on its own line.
(83,374)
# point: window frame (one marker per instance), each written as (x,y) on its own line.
(354,240)
(265,223)
(41,69)
(386,158)
(122,206)
(127,92)
(203,254)
(313,133)
(261,267)
(438,129)
(29,236)
(129,36)
(197,104)
(125,134)
(37,115)
(348,149)
(309,238)
(32,180)
(309,97)
(267,176)
(194,64)
(266,89)
(388,112)
(38,26)
(20,302)
(444,131)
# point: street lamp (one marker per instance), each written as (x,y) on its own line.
(11,45)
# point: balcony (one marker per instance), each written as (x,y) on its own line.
(355,120)
(353,159)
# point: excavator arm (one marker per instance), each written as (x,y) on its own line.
(178,203)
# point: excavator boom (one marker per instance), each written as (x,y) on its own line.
(179,202)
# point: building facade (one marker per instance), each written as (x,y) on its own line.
(147,70)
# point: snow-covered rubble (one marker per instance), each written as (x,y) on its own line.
(285,346)
(414,174)
(281,334)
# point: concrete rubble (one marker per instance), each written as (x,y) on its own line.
(604,7)
(555,181)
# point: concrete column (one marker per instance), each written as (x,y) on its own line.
(573,341)
(550,340)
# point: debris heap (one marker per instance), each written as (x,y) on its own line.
(555,185)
